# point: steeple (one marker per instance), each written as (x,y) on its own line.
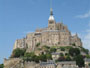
(51,12)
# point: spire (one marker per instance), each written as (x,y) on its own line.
(51,11)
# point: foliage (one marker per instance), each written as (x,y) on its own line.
(32,57)
(62,58)
(18,53)
(85,50)
(79,60)
(68,58)
(73,44)
(87,56)
(89,64)
(38,44)
(62,48)
(49,56)
(46,47)
(74,51)
(61,54)
(1,66)
(52,50)
(68,47)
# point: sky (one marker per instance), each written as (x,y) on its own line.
(19,17)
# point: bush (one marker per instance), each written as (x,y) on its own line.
(61,54)
(74,51)
(52,50)
(38,44)
(62,48)
(89,64)
(87,56)
(73,44)
(85,50)
(79,60)
(18,53)
(1,66)
(62,58)
(68,58)
(29,56)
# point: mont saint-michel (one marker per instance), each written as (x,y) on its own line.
(50,47)
(55,34)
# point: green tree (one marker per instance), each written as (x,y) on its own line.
(87,56)
(74,51)
(1,66)
(29,56)
(18,53)
(43,58)
(38,44)
(79,60)
(62,48)
(49,56)
(61,54)
(68,58)
(85,50)
(52,50)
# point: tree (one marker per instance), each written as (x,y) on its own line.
(43,58)
(18,53)
(29,56)
(74,51)
(1,66)
(38,44)
(61,54)
(87,56)
(79,60)
(49,56)
(68,58)
(62,48)
(62,58)
(52,50)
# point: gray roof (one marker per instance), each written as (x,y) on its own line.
(87,60)
(50,62)
(67,62)
(54,53)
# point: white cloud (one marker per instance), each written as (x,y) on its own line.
(86,15)
(86,38)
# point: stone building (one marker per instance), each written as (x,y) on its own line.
(87,63)
(56,34)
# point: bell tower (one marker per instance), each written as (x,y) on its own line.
(51,21)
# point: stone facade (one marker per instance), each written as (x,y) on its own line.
(56,34)
(18,63)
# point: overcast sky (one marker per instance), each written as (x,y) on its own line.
(18,17)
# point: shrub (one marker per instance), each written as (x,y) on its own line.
(62,58)
(79,60)
(18,53)
(1,66)
(38,44)
(61,54)
(52,50)
(68,58)
(62,48)
(85,50)
(74,51)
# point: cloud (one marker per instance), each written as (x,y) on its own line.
(86,38)
(86,15)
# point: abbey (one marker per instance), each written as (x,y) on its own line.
(56,34)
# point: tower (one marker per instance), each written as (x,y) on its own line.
(51,21)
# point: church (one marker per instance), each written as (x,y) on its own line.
(56,34)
